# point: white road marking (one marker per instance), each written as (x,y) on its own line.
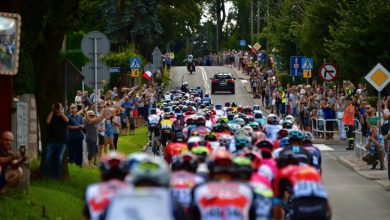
(205,81)
(323,147)
(244,81)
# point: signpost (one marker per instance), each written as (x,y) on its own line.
(257,46)
(134,72)
(306,74)
(328,72)
(95,45)
(295,66)
(135,63)
(116,69)
(378,77)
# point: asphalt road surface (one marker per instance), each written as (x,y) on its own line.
(351,195)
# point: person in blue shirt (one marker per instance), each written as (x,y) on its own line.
(375,148)
(328,114)
(75,136)
(127,105)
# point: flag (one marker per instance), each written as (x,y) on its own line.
(147,75)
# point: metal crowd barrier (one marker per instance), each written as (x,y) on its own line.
(359,144)
(319,127)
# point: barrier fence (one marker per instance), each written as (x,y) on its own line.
(322,128)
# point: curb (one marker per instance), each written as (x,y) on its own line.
(347,164)
(145,147)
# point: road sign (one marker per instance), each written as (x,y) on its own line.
(135,63)
(295,65)
(328,72)
(307,63)
(103,74)
(88,43)
(306,74)
(116,69)
(134,72)
(157,57)
(257,46)
(378,77)
(242,43)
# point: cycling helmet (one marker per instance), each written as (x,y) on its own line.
(234,104)
(240,109)
(258,115)
(282,133)
(218,107)
(189,121)
(134,159)
(287,158)
(258,136)
(113,166)
(287,124)
(230,116)
(242,141)
(272,119)
(255,126)
(266,147)
(242,168)
(186,161)
(247,110)
(201,153)
(150,170)
(178,137)
(177,110)
(218,128)
(296,136)
(308,139)
(239,121)
(284,142)
(248,129)
(222,120)
(167,109)
(200,121)
(227,104)
(289,118)
(256,108)
(234,128)
(225,140)
(210,137)
(255,158)
(153,111)
(167,116)
(220,161)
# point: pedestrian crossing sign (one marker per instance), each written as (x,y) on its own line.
(135,63)
(307,63)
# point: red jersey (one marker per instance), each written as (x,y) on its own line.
(304,181)
(173,149)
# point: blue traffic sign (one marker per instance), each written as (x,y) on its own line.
(242,42)
(135,63)
(116,69)
(295,65)
(307,63)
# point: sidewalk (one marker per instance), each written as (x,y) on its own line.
(245,81)
(359,166)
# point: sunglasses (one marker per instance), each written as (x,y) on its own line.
(73,107)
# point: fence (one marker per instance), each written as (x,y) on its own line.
(321,128)
(360,140)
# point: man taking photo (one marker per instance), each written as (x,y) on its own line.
(375,147)
(10,163)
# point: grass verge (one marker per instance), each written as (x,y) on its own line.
(52,199)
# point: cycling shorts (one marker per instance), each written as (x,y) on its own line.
(154,129)
(309,208)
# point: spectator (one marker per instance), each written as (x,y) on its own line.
(116,126)
(375,147)
(115,92)
(10,163)
(85,100)
(91,135)
(109,132)
(57,138)
(78,100)
(75,138)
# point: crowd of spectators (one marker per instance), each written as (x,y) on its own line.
(86,133)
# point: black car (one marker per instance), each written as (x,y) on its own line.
(222,82)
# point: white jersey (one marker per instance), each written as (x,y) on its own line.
(142,203)
(219,113)
(272,131)
(154,120)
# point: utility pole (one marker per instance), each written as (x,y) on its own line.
(251,41)
(258,21)
(267,50)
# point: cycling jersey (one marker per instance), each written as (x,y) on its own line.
(187,130)
(301,153)
(202,130)
(99,195)
(223,200)
(144,203)
(173,149)
(219,113)
(153,120)
(316,155)
(263,196)
(166,124)
(181,183)
(272,131)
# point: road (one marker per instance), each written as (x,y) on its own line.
(351,195)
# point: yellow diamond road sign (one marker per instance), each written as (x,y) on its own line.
(257,46)
(378,77)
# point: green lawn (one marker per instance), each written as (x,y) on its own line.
(53,199)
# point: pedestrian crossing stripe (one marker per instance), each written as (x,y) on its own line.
(323,147)
(307,64)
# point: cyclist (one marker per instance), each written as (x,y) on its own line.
(184,178)
(176,147)
(154,128)
(295,138)
(222,198)
(272,127)
(166,129)
(201,127)
(151,198)
(113,169)
(307,196)
(178,124)
(190,124)
(307,143)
